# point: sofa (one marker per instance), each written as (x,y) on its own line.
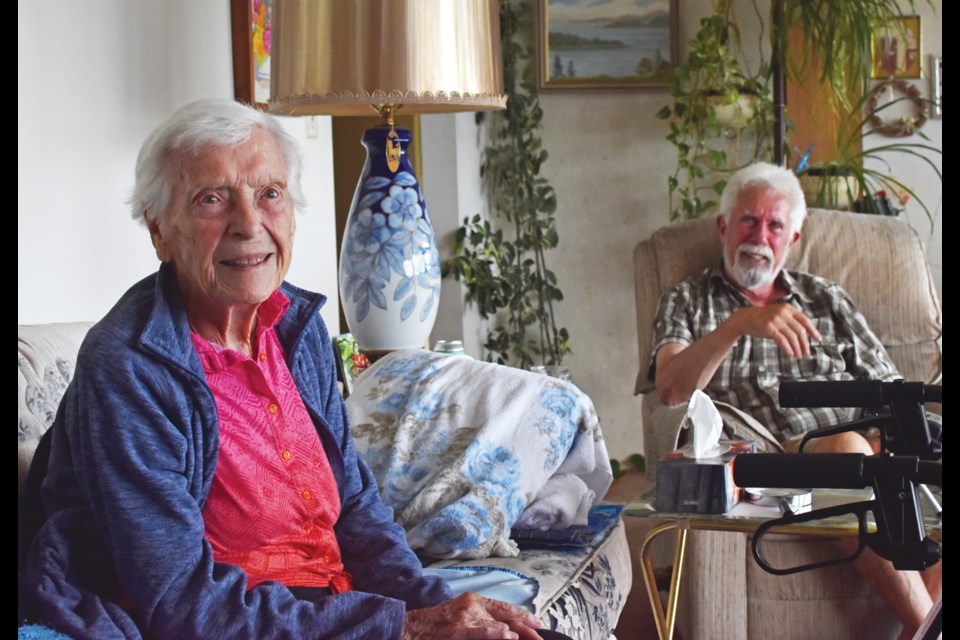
(881,263)
(579,592)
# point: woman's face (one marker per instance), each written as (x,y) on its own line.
(229,230)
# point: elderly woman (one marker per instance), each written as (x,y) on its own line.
(202,482)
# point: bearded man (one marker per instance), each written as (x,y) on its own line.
(739,330)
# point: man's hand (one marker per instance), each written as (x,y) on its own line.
(782,323)
(681,369)
(470,616)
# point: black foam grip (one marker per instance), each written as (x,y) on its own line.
(832,393)
(799,470)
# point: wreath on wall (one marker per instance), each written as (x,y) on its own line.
(904,125)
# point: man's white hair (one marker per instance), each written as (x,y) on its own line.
(764,174)
(202,124)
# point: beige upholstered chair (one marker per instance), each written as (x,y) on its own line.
(881,263)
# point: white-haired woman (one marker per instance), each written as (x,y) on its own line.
(202,481)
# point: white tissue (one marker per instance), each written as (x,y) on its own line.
(707,425)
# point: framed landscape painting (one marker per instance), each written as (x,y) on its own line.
(586,44)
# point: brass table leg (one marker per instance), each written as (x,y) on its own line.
(665,620)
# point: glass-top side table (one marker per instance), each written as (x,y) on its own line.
(744,518)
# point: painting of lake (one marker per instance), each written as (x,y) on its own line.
(606,43)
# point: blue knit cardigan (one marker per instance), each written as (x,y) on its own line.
(122,552)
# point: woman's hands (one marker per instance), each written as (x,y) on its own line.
(469,617)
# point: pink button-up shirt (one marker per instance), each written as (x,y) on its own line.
(274,500)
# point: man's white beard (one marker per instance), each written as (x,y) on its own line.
(748,274)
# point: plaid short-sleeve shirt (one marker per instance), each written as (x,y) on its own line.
(749,377)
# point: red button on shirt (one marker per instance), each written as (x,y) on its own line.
(271,515)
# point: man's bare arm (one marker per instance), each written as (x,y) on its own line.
(681,369)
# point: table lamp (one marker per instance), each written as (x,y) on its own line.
(357,57)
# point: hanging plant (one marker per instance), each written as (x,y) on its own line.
(503,265)
(719,113)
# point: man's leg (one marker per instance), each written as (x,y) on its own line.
(903,591)
(910,594)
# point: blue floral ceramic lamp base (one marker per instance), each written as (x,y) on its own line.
(389,265)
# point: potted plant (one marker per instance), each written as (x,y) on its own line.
(837,32)
(860,179)
(504,266)
(718,112)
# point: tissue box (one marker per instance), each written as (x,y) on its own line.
(688,485)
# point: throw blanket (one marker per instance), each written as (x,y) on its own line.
(460,448)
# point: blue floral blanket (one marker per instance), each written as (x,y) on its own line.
(463,450)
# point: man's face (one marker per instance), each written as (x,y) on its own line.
(229,230)
(757,238)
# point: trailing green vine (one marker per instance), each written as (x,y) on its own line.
(717,108)
(503,265)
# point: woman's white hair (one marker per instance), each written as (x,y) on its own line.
(191,129)
(764,174)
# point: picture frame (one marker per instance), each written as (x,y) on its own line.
(936,108)
(896,48)
(622,44)
(250,30)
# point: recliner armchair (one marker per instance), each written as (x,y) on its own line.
(881,263)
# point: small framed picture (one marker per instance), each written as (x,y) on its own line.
(250,28)
(936,109)
(896,48)
(584,44)
(350,361)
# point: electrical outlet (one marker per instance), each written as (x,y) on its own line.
(312,127)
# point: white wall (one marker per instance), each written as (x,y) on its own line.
(450,159)
(608,163)
(93,80)
(911,171)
